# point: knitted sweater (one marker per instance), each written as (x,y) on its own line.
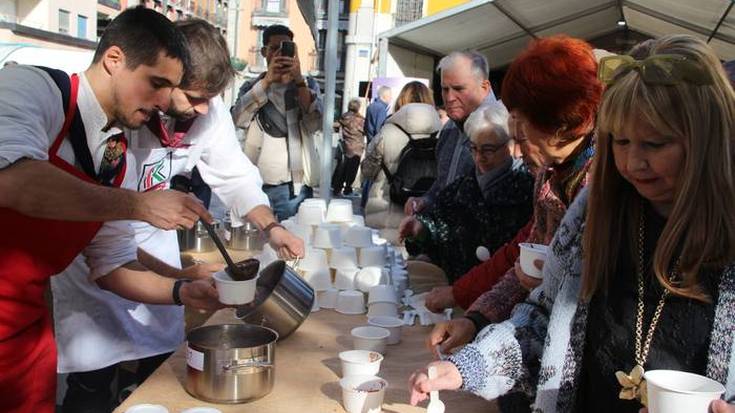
(463,218)
(539,350)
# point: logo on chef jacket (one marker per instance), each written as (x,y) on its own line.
(156,175)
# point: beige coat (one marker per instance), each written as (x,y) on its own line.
(418,119)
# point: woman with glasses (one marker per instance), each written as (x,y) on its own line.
(553,93)
(641,273)
(483,209)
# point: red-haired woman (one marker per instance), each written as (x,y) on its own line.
(551,90)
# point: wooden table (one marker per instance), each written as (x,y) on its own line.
(308,370)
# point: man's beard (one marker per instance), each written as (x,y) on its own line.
(120,118)
(180,115)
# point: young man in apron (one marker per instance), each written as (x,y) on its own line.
(197,132)
(46,152)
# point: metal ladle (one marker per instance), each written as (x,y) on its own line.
(181,184)
(232,269)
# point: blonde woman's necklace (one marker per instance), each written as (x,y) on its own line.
(633,385)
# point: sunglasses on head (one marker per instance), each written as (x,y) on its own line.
(665,69)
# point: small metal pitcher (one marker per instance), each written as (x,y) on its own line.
(282,302)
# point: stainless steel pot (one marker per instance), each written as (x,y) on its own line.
(230,363)
(247,237)
(196,239)
(282,302)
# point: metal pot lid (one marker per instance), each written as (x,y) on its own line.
(231,336)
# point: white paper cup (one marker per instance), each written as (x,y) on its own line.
(360,363)
(344,257)
(368,277)
(370,338)
(436,318)
(314,259)
(339,211)
(363,394)
(327,236)
(344,278)
(344,227)
(310,214)
(372,256)
(147,408)
(327,298)
(351,302)
(305,232)
(233,292)
(530,253)
(319,279)
(319,202)
(398,271)
(392,324)
(358,220)
(383,309)
(671,391)
(267,256)
(384,293)
(359,237)
(400,283)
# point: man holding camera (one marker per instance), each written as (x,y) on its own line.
(280,112)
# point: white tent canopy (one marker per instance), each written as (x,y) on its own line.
(501,28)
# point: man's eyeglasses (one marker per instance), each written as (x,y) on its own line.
(665,69)
(485,149)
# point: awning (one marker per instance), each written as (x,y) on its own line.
(501,28)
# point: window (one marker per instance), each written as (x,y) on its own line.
(272,6)
(408,11)
(259,59)
(322,11)
(322,47)
(63,21)
(82,26)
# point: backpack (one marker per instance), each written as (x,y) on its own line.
(416,170)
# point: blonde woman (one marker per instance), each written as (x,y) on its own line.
(655,234)
(414,114)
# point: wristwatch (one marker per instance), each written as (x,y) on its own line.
(269,227)
(176,290)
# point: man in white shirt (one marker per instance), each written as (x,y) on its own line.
(198,131)
(59,139)
(280,112)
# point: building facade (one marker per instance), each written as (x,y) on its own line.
(78,24)
(367,20)
(61,24)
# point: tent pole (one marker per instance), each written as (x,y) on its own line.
(330,81)
(719,23)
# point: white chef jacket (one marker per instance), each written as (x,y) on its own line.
(95,328)
(31,116)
